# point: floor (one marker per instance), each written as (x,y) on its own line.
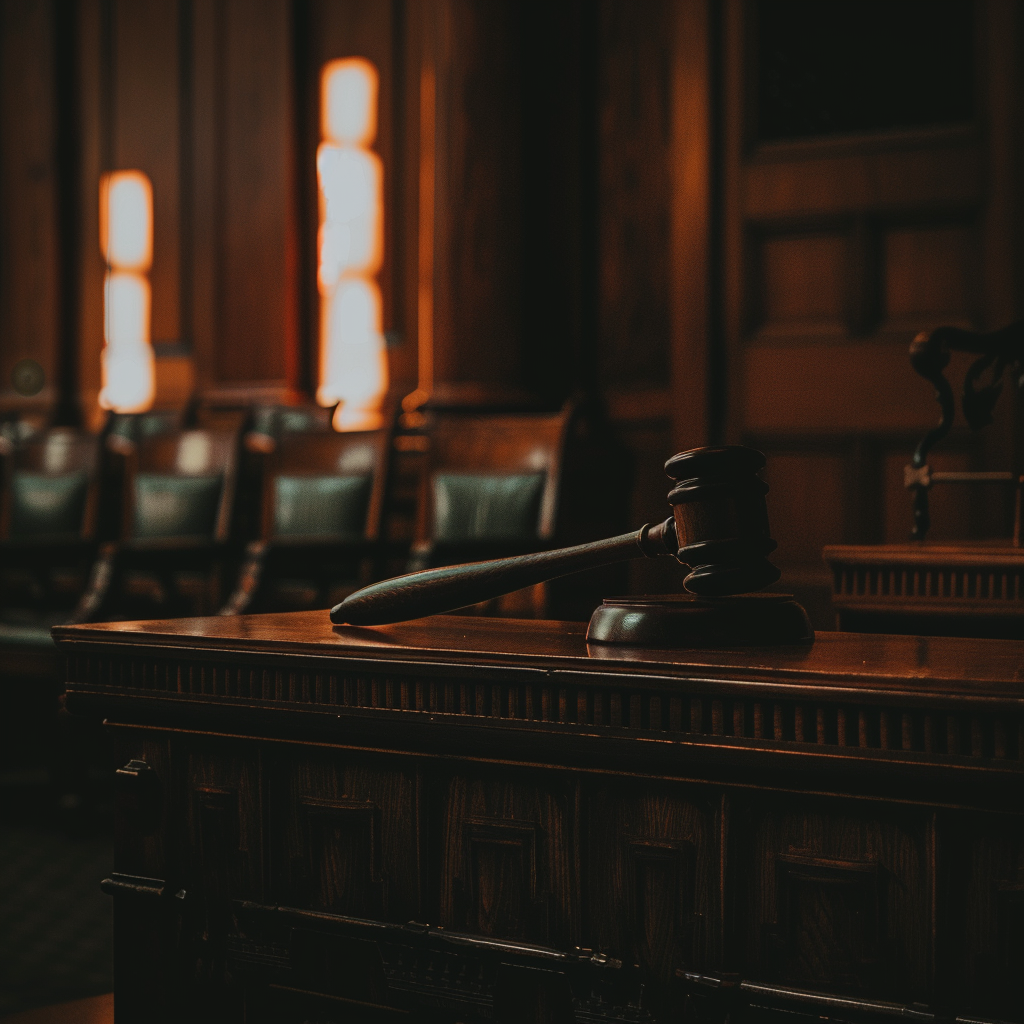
(56,847)
(94,1010)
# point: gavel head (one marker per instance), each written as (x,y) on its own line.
(721,520)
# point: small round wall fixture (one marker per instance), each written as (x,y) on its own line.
(28,377)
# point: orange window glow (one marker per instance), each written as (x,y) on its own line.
(353,362)
(126,240)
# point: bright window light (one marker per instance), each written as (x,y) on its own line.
(353,362)
(349,102)
(126,240)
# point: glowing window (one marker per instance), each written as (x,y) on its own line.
(126,240)
(353,362)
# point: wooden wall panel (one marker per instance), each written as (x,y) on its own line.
(93,54)
(508,861)
(832,386)
(636,844)
(837,897)
(29,233)
(478,247)
(803,282)
(837,250)
(635,218)
(347,840)
(145,134)
(256,319)
(932,271)
(806,503)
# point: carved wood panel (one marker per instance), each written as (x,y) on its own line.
(223,815)
(145,836)
(984,925)
(508,868)
(835,896)
(838,247)
(650,877)
(347,835)
(29,210)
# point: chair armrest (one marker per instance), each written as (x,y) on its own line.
(249,577)
(97,591)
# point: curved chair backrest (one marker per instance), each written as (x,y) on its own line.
(325,485)
(51,487)
(276,421)
(492,477)
(182,484)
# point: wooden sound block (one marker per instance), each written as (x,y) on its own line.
(685,620)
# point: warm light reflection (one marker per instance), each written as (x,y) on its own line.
(349,102)
(353,362)
(126,220)
(126,240)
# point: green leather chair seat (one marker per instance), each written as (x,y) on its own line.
(475,506)
(321,506)
(47,506)
(176,506)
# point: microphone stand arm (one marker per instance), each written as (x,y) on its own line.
(433,591)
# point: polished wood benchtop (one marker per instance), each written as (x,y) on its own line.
(935,665)
(693,813)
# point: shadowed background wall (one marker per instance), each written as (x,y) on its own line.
(675,209)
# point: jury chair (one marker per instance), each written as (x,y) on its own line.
(264,426)
(491,489)
(173,555)
(48,526)
(321,506)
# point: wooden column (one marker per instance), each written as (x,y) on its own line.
(29,209)
(472,52)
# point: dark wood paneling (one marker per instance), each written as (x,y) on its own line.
(837,249)
(508,860)
(635,190)
(348,840)
(256,319)
(145,134)
(93,54)
(659,850)
(478,192)
(842,820)
(836,897)
(29,240)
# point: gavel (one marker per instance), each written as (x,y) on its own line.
(718,530)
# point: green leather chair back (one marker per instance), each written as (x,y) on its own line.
(176,506)
(321,506)
(45,505)
(478,506)
(277,420)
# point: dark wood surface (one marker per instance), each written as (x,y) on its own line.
(966,589)
(729,829)
(908,664)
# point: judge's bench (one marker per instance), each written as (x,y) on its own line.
(461,819)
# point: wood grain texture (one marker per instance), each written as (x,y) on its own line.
(836,250)
(349,839)
(843,821)
(478,249)
(146,134)
(29,239)
(835,892)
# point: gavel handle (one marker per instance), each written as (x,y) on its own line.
(441,590)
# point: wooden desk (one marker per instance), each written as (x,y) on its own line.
(728,830)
